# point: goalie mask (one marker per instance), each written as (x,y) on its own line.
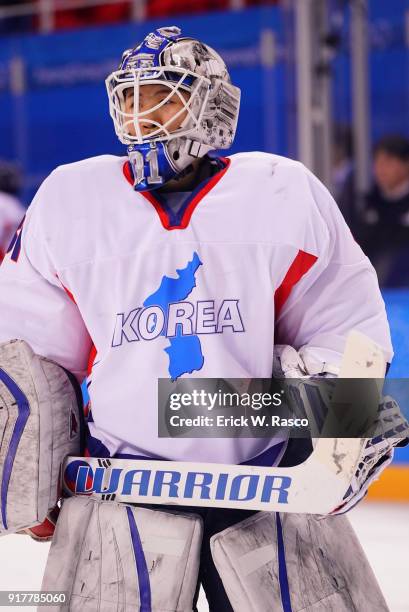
(171,101)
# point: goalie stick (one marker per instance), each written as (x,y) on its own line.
(316,486)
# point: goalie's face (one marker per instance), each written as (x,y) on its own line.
(159,110)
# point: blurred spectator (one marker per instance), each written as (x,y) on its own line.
(386,215)
(163,8)
(19,23)
(121,11)
(11,211)
(91,15)
(343,172)
(260,2)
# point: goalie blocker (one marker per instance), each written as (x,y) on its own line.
(40,423)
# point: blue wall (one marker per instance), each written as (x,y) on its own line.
(62,114)
(388,69)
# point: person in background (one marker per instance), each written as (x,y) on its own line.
(161,8)
(17,23)
(86,16)
(342,174)
(11,210)
(386,213)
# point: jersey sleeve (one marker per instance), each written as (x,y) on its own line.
(34,305)
(11,213)
(335,292)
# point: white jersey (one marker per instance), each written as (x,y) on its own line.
(258,254)
(11,213)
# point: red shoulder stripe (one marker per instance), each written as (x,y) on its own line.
(301,264)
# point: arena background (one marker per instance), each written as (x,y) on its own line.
(54,108)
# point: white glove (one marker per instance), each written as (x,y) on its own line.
(290,363)
(392,430)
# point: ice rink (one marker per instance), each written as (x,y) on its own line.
(382,528)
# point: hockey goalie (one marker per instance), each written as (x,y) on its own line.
(170,262)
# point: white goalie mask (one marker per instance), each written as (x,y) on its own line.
(192,77)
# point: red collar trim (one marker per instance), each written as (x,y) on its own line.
(126,169)
(163,216)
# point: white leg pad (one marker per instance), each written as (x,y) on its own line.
(40,418)
(109,556)
(325,566)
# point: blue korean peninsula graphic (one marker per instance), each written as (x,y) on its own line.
(185,352)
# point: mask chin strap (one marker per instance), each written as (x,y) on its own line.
(195,148)
(182,151)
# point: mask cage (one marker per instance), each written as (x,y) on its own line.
(178,80)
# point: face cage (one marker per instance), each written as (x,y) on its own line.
(119,81)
